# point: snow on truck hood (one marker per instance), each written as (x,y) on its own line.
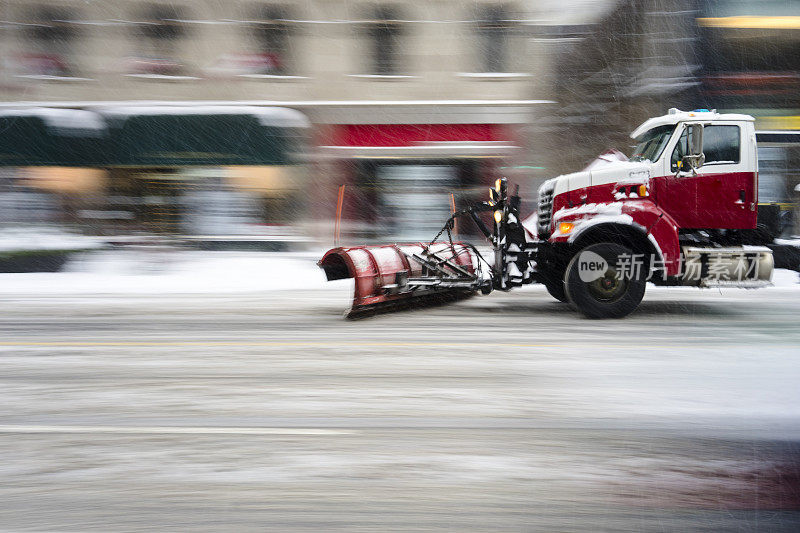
(613,166)
(622,172)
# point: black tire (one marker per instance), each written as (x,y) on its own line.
(608,296)
(555,286)
(556,290)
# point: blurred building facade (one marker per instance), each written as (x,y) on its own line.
(263,50)
(408,101)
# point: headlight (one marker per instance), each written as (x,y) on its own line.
(565,227)
(498,216)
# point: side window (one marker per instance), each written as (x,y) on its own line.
(721,145)
(681,149)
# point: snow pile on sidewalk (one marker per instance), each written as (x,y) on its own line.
(145,271)
(13,240)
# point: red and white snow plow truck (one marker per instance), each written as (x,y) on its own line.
(681,211)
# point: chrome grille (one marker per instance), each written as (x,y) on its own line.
(545,210)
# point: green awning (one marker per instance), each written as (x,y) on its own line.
(147,136)
(52,137)
(204,135)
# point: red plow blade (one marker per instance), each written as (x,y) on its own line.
(392,275)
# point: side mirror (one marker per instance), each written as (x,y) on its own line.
(696,158)
(696,133)
(692,162)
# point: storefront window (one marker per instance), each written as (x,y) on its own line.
(415,199)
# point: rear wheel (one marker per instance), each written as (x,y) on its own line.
(597,289)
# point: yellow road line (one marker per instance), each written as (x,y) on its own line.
(265,343)
(353,344)
(167,430)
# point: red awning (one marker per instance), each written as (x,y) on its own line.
(417,134)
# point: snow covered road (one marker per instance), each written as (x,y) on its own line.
(197,392)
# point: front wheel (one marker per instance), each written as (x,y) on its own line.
(604,281)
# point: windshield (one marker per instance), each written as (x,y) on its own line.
(651,143)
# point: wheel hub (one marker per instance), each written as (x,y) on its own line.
(609,287)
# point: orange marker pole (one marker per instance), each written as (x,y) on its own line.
(338,224)
(453,211)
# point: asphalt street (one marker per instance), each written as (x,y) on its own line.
(270,412)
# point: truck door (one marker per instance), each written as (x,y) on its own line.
(720,196)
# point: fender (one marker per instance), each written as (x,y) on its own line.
(642,215)
(664,235)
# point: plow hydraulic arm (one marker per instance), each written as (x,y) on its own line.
(394,274)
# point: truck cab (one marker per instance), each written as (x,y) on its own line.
(720,193)
(687,191)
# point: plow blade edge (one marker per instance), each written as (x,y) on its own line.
(392,275)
